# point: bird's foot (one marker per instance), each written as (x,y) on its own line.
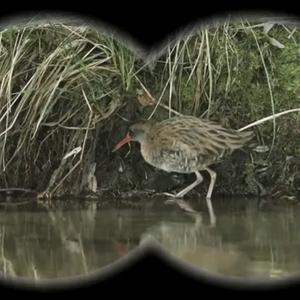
(170,195)
(171,199)
(178,195)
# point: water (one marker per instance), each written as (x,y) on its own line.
(39,242)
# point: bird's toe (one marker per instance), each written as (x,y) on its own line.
(170,195)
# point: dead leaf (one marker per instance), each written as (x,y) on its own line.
(261,148)
(74,152)
(276,43)
(146,100)
(267,27)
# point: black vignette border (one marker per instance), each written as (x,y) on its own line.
(150,25)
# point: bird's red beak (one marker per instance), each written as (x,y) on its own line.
(126,140)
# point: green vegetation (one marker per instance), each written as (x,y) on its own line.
(66,93)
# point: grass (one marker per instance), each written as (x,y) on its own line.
(57,82)
(61,86)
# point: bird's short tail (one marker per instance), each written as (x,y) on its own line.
(239,139)
(246,136)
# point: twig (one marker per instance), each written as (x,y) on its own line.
(66,176)
(17,189)
(269,87)
(269,118)
(208,57)
(89,123)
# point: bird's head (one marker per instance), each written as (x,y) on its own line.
(137,133)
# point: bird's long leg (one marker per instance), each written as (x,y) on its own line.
(188,188)
(213,177)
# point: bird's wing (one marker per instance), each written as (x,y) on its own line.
(188,140)
(199,139)
(186,151)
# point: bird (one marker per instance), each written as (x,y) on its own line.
(185,144)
